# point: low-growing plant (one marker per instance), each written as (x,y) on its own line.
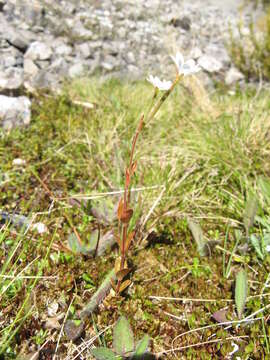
(123,344)
(125,211)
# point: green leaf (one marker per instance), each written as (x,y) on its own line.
(142,345)
(123,339)
(103,353)
(74,244)
(250,212)
(77,322)
(257,246)
(241,288)
(198,236)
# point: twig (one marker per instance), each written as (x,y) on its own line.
(62,328)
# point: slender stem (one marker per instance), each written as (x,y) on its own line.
(130,171)
(158,104)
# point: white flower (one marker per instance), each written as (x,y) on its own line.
(18,162)
(40,228)
(160,84)
(185,68)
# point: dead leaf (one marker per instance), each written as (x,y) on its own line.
(129,239)
(124,285)
(52,323)
(126,216)
(220,316)
(120,209)
(122,273)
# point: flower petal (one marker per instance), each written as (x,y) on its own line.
(160,84)
(178,59)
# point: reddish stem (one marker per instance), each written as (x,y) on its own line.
(129,173)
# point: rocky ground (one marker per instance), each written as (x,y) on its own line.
(44,42)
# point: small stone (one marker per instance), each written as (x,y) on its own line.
(59,66)
(18,162)
(11,79)
(9,61)
(42,80)
(30,68)
(38,51)
(63,50)
(17,39)
(233,76)
(195,53)
(107,66)
(79,31)
(14,111)
(83,50)
(130,57)
(210,64)
(76,70)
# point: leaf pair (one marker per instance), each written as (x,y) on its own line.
(123,344)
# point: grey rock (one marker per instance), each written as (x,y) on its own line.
(76,70)
(42,64)
(17,39)
(59,67)
(233,76)
(65,37)
(210,64)
(63,50)
(78,31)
(130,58)
(83,50)
(9,61)
(110,63)
(218,52)
(38,51)
(42,80)
(195,53)
(11,79)
(33,13)
(30,68)
(14,111)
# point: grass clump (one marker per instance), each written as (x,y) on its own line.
(198,159)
